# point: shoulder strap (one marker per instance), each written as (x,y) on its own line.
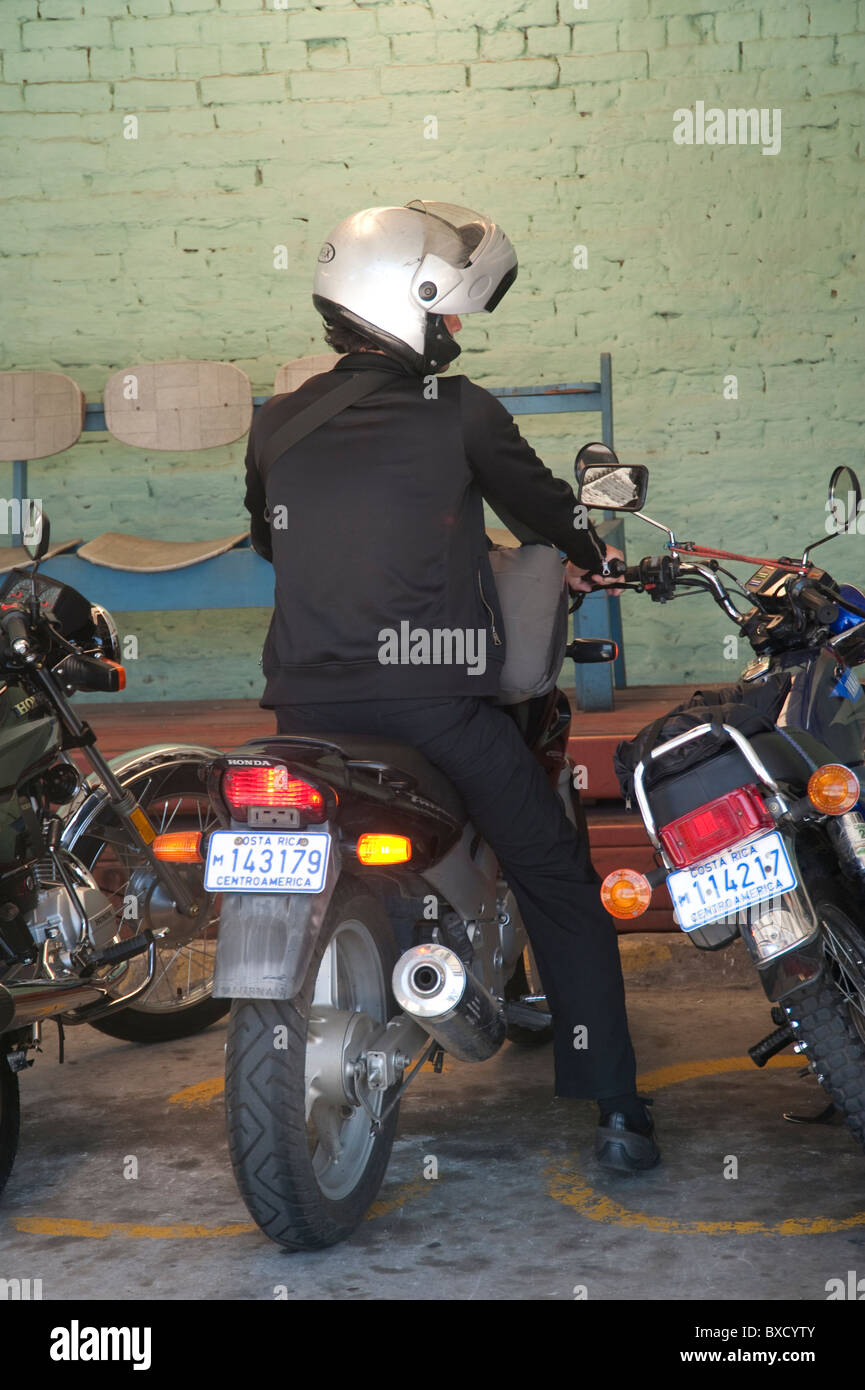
(359,384)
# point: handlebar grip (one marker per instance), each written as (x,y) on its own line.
(617,567)
(823,609)
(15,626)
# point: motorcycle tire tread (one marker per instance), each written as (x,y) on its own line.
(835,1048)
(265,1103)
(833,1043)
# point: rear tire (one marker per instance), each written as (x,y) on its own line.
(830,1014)
(300,1195)
(9,1117)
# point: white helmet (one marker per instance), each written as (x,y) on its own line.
(392,273)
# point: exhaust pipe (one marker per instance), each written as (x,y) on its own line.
(25,1004)
(433,986)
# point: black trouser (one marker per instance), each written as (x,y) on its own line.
(544,860)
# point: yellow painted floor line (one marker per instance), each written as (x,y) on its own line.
(564,1182)
(712,1066)
(132,1230)
(202,1093)
(567,1185)
(138,1230)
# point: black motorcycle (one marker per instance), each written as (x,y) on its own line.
(365,930)
(93,927)
(753,797)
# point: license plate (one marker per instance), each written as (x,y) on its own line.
(272,861)
(723,885)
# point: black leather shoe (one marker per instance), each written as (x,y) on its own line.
(624,1147)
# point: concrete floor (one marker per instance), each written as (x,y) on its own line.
(519,1209)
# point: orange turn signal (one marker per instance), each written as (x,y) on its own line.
(383,849)
(626,893)
(121,672)
(833,789)
(179,847)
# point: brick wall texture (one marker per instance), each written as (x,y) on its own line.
(263,122)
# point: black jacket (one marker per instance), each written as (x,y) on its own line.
(379,537)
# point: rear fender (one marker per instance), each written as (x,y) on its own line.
(266,941)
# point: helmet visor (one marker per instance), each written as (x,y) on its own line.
(454,233)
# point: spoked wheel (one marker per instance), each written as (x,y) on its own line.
(179,1002)
(830,1016)
(308,1150)
(9,1116)
(844,949)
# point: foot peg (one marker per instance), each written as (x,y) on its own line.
(775,1042)
(526,1016)
(135,946)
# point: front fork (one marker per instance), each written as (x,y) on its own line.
(80,735)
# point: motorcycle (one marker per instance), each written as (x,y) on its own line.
(755,806)
(93,927)
(365,930)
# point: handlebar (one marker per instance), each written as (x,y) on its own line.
(17,629)
(662,575)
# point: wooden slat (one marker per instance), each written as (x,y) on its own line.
(178,405)
(118,550)
(12,555)
(41,413)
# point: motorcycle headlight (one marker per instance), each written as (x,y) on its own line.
(106,639)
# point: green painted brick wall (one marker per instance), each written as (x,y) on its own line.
(261,123)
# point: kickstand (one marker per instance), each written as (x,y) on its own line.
(61,1040)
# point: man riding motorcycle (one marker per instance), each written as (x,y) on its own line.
(374,521)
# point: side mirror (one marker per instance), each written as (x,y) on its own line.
(845,499)
(37,534)
(605,483)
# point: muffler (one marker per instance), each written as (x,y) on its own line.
(27,1003)
(433,986)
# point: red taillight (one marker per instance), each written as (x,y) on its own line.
(713,827)
(272,787)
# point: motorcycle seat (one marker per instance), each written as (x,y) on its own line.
(428,781)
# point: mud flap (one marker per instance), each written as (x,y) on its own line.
(266,940)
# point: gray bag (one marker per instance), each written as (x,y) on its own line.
(533,596)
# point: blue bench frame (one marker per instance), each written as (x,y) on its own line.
(242,579)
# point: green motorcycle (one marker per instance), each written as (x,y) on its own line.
(93,927)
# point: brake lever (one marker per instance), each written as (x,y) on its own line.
(580,594)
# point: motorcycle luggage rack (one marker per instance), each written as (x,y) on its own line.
(756,764)
(386,772)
